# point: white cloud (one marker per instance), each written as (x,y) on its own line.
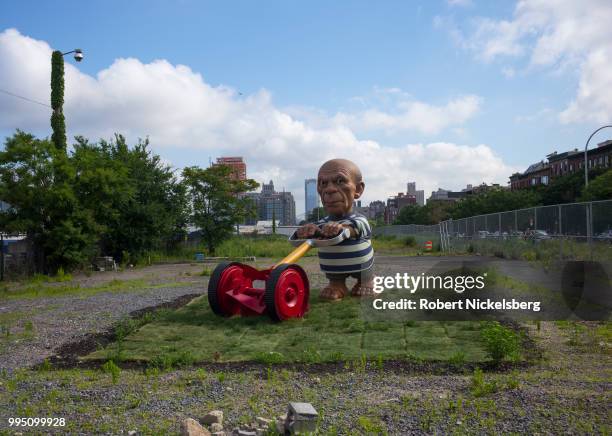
(188,121)
(413,115)
(463,3)
(560,36)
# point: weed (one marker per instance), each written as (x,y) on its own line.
(28,326)
(221,377)
(371,425)
(112,369)
(269,357)
(480,386)
(379,363)
(512,381)
(206,272)
(167,361)
(410,241)
(457,359)
(61,276)
(45,366)
(500,342)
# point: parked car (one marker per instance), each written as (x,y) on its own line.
(537,235)
(605,236)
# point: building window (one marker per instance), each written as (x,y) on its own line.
(533,181)
(545,180)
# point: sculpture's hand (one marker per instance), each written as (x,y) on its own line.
(307,231)
(331,230)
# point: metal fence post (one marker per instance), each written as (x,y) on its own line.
(2,256)
(590,208)
(560,231)
(515,221)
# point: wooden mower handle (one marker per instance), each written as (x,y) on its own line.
(304,245)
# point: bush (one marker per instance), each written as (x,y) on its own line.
(410,241)
(500,342)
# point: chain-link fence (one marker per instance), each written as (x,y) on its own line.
(16,256)
(573,231)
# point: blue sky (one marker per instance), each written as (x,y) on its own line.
(345,76)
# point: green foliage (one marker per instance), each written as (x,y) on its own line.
(167,361)
(494,200)
(110,368)
(58,124)
(37,180)
(216,203)
(46,365)
(316,214)
(599,188)
(371,425)
(500,342)
(104,198)
(410,241)
(480,386)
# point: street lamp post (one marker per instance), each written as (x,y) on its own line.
(586,166)
(58,122)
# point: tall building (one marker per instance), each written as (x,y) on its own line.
(271,204)
(311,196)
(419,195)
(237,165)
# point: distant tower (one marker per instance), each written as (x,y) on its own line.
(236,164)
(420,195)
(311,196)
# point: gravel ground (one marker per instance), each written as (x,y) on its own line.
(57,321)
(567,392)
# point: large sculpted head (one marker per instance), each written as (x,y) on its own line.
(339,183)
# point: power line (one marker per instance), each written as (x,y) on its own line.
(23,98)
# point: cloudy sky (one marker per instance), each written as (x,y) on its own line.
(444,93)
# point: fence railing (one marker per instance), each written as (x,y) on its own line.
(575,230)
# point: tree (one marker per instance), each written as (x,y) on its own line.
(599,189)
(37,180)
(215,201)
(153,211)
(412,214)
(495,200)
(316,214)
(274,221)
(58,123)
(568,188)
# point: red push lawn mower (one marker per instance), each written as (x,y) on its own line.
(285,293)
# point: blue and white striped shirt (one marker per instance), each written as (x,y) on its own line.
(351,255)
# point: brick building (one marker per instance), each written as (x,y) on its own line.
(561,164)
(237,165)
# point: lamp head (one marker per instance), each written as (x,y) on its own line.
(78,55)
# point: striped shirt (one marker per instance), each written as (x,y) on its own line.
(351,255)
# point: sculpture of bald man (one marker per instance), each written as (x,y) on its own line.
(339,183)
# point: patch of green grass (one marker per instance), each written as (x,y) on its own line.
(46,289)
(329,332)
(371,425)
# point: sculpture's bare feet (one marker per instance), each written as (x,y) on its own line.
(363,289)
(334,291)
